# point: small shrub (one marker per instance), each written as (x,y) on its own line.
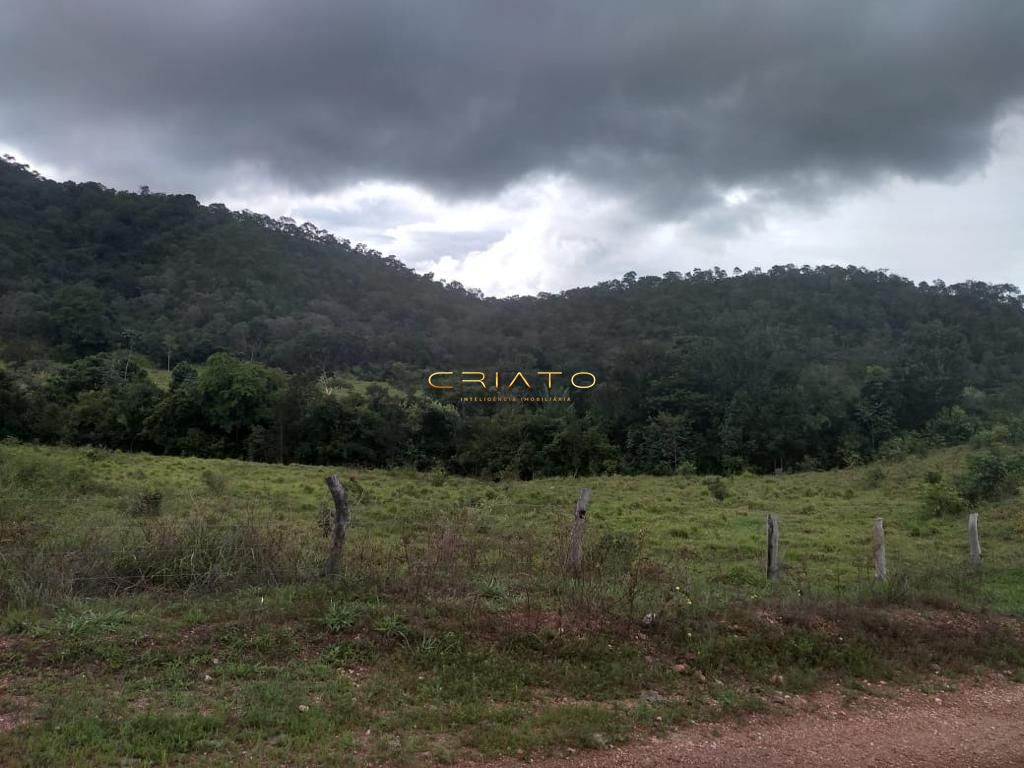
(997,434)
(96,454)
(874,477)
(215,482)
(941,500)
(990,476)
(145,503)
(615,551)
(717,488)
(1015,429)
(686,469)
(18,622)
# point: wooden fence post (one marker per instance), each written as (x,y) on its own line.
(340,525)
(973,543)
(773,547)
(881,572)
(576,537)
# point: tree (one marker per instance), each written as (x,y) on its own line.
(82,320)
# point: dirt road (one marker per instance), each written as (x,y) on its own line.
(975,727)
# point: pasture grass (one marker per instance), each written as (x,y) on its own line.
(168,611)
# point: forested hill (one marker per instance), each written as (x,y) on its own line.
(84,265)
(717,370)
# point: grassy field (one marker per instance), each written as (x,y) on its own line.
(162,610)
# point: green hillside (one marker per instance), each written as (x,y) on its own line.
(794,367)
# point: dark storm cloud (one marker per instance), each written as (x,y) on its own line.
(665,103)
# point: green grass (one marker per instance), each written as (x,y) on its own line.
(826,517)
(193,629)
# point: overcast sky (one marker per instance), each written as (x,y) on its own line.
(522,146)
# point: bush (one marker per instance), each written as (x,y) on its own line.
(901,446)
(92,453)
(686,469)
(952,426)
(874,477)
(615,551)
(941,500)
(717,488)
(215,482)
(997,434)
(1016,430)
(990,476)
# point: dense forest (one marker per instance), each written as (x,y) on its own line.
(280,342)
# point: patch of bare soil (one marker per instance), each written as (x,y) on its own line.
(975,727)
(14,710)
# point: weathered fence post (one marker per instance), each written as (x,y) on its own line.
(340,525)
(576,537)
(773,547)
(973,543)
(881,571)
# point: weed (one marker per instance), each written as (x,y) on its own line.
(392,626)
(340,616)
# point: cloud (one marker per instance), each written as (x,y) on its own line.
(464,135)
(669,101)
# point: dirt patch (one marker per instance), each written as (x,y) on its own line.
(15,709)
(954,621)
(976,727)
(494,626)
